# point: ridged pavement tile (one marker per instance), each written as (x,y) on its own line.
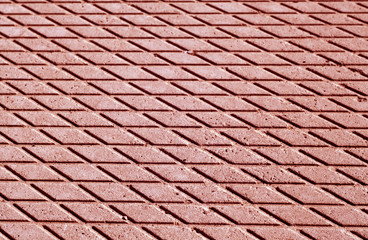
(208,120)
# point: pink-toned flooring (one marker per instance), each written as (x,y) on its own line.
(183,120)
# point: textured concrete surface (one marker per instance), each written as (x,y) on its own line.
(217,120)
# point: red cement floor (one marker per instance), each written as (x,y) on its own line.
(183,120)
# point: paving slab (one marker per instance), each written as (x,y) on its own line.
(183,119)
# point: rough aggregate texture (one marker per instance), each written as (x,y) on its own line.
(208,120)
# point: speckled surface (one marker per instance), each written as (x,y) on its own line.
(217,120)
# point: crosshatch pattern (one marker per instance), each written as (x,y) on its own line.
(183,120)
